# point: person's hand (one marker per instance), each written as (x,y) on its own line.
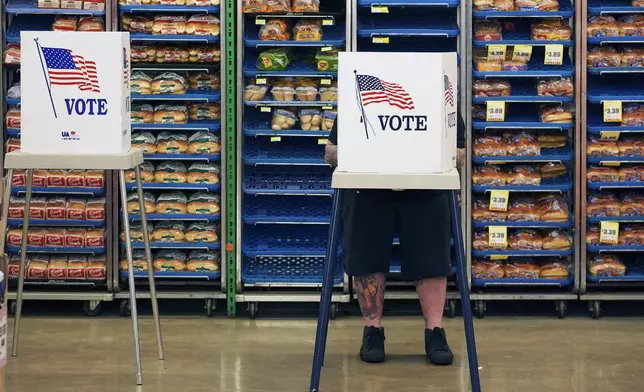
(460,158)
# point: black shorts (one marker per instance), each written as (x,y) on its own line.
(421,218)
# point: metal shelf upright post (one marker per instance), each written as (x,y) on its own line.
(19,15)
(204,105)
(613,93)
(548,58)
(410,26)
(283,183)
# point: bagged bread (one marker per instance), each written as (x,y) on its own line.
(94,5)
(172,203)
(169,260)
(204,54)
(136,232)
(75,238)
(169,25)
(147,173)
(16,207)
(12,144)
(170,114)
(202,232)
(275,29)
(143,53)
(169,231)
(91,24)
(56,178)
(38,267)
(172,143)
(308,30)
(145,141)
(95,209)
(94,178)
(140,83)
(76,209)
(139,261)
(169,83)
(255,92)
(203,173)
(75,179)
(556,239)
(204,143)
(606,265)
(203,261)
(170,172)
(37,208)
(13,120)
(56,208)
(486,269)
(525,239)
(14,236)
(283,119)
(142,114)
(77,267)
(133,203)
(203,203)
(204,81)
(95,238)
(96,266)
(57,269)
(136,24)
(55,237)
(203,25)
(328,119)
(65,23)
(172,54)
(310,119)
(205,111)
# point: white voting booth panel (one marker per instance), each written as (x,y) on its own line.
(398,112)
(75,92)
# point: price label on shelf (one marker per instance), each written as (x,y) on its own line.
(498,237)
(498,257)
(327,107)
(260,81)
(265,109)
(380,40)
(612,111)
(325,82)
(522,53)
(495,111)
(609,163)
(609,135)
(327,22)
(496,52)
(553,55)
(260,22)
(322,141)
(275,139)
(326,48)
(379,9)
(499,200)
(609,232)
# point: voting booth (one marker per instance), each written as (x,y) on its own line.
(397,130)
(398,112)
(75,92)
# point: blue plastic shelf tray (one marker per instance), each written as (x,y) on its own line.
(561,184)
(297,151)
(563,154)
(56,223)
(169,8)
(295,209)
(540,224)
(633,274)
(527,253)
(270,102)
(190,95)
(31,7)
(27,23)
(521,118)
(331,36)
(287,269)
(522,282)
(176,245)
(253,126)
(174,275)
(616,40)
(521,37)
(607,185)
(408,23)
(13,132)
(57,191)
(565,11)
(596,124)
(285,240)
(523,91)
(209,126)
(289,180)
(597,160)
(408,3)
(614,70)
(176,217)
(178,38)
(598,219)
(54,249)
(183,157)
(180,187)
(536,68)
(12,101)
(615,88)
(615,248)
(295,68)
(598,7)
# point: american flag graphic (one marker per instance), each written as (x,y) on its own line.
(449,91)
(376,90)
(66,68)
(126,69)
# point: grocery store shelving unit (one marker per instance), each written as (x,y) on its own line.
(409,26)
(205,285)
(602,86)
(522,113)
(284,185)
(19,15)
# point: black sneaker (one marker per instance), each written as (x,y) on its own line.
(436,347)
(373,345)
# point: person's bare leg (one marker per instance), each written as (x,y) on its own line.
(431,293)
(370,290)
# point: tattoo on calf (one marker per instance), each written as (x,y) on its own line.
(370,291)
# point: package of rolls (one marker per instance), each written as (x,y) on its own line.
(60,267)
(177,231)
(518,174)
(167,260)
(516,5)
(280,6)
(192,3)
(58,237)
(519,143)
(200,24)
(200,203)
(172,143)
(549,208)
(521,268)
(627,203)
(172,82)
(629,235)
(625,173)
(609,26)
(606,265)
(526,239)
(173,54)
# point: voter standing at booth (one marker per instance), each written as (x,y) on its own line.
(421,218)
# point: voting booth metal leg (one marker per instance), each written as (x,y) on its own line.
(457,234)
(327,291)
(3,229)
(23,260)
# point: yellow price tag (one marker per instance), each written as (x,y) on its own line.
(260,80)
(379,9)
(498,257)
(609,135)
(496,52)
(553,55)
(609,163)
(260,22)
(495,111)
(326,48)
(609,232)
(327,107)
(322,141)
(498,237)
(499,200)
(380,40)
(612,111)
(325,82)
(327,22)
(265,109)
(276,139)
(522,53)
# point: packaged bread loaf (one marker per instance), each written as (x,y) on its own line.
(169,25)
(172,203)
(77,267)
(305,6)
(551,30)
(553,208)
(13,118)
(147,173)
(310,119)
(481,241)
(37,208)
(632,57)
(133,203)
(491,88)
(307,30)
(327,61)
(205,111)
(12,54)
(136,24)
(202,25)
(254,92)
(140,83)
(170,172)
(597,147)
(523,175)
(602,26)
(172,143)
(136,232)
(485,30)
(169,83)
(172,54)
(273,60)
(55,237)
(39,178)
(204,81)
(91,24)
(556,113)
(13,267)
(16,208)
(493,5)
(603,56)
(14,236)
(57,269)
(14,91)
(328,119)
(65,23)
(275,29)
(204,143)
(143,54)
(38,267)
(203,173)
(283,119)
(555,87)
(95,238)
(306,93)
(606,265)
(487,269)
(169,231)
(602,174)
(523,144)
(75,238)
(169,260)
(630,146)
(631,25)
(76,209)
(204,54)
(525,239)
(168,2)
(488,144)
(12,144)
(488,175)
(253,6)
(55,208)
(139,261)
(95,209)
(603,204)
(632,115)
(203,261)
(145,141)
(555,239)
(48,3)
(170,114)
(631,204)
(94,5)
(203,203)
(202,3)
(481,211)
(96,265)
(202,232)
(522,268)
(142,114)
(631,173)
(523,209)
(328,93)
(56,177)
(75,178)
(94,178)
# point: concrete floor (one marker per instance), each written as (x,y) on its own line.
(526,355)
